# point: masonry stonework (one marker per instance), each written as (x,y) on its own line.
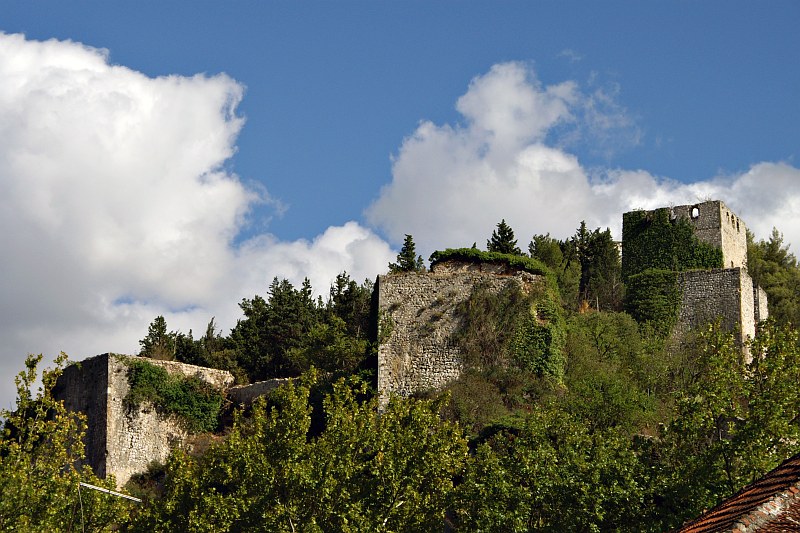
(714,223)
(719,294)
(417,318)
(727,294)
(122,440)
(416,353)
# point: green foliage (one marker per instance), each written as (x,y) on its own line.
(547,250)
(512,345)
(159,343)
(733,421)
(559,256)
(473,255)
(776,270)
(40,448)
(195,402)
(587,267)
(352,303)
(653,297)
(407,259)
(365,471)
(272,328)
(601,275)
(503,241)
(328,347)
(613,378)
(654,241)
(511,329)
(551,474)
(210,351)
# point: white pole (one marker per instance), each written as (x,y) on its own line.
(107,491)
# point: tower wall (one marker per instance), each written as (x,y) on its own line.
(714,223)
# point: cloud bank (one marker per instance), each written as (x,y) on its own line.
(117,207)
(509,158)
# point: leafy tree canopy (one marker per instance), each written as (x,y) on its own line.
(775,269)
(159,343)
(40,448)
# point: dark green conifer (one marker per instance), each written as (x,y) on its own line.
(503,240)
(407,259)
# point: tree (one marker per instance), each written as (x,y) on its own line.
(601,270)
(776,270)
(366,471)
(351,302)
(557,255)
(548,473)
(159,343)
(40,449)
(547,250)
(734,421)
(610,377)
(503,240)
(271,328)
(407,259)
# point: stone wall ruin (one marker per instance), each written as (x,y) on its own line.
(726,294)
(416,320)
(122,440)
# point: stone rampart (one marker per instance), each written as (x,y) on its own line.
(416,320)
(122,440)
(246,394)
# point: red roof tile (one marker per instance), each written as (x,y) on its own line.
(769,504)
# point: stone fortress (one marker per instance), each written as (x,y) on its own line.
(727,294)
(416,318)
(417,310)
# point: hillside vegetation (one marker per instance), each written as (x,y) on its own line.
(617,434)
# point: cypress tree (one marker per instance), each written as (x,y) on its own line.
(407,259)
(503,240)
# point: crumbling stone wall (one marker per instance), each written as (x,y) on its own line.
(760,300)
(247,394)
(727,294)
(714,223)
(416,320)
(122,440)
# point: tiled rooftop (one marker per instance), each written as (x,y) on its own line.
(770,504)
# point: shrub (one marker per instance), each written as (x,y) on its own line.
(473,255)
(192,400)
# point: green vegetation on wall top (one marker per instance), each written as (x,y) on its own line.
(194,401)
(473,255)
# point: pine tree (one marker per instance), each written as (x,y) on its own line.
(407,259)
(503,240)
(159,343)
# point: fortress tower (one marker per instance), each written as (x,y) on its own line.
(716,225)
(712,278)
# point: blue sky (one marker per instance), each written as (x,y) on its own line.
(339,126)
(334,87)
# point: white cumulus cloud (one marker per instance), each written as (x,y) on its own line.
(509,160)
(116,206)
